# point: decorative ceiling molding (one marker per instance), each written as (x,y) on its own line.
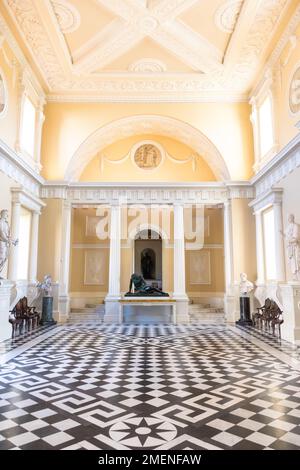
(146,124)
(284,39)
(19,60)
(260,34)
(83,76)
(147,66)
(227,14)
(158,91)
(67,15)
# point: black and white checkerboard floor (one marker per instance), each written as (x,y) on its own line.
(150,387)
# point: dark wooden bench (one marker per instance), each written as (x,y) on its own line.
(268,317)
(23,318)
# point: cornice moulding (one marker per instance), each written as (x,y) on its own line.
(287,160)
(14,167)
(159,97)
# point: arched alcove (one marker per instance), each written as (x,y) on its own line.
(148,256)
(146,124)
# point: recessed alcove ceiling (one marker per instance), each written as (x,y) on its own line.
(147,49)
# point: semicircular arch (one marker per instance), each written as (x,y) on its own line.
(146,124)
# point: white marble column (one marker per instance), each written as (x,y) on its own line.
(112,306)
(179,266)
(63,298)
(39,121)
(260,259)
(34,239)
(255,125)
(231,296)
(14,250)
(279,242)
(228,244)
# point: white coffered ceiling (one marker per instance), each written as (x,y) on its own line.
(156,50)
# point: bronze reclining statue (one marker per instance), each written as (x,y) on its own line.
(141,288)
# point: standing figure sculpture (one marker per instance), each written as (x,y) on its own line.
(5,238)
(292,237)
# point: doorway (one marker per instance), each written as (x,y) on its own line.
(148,257)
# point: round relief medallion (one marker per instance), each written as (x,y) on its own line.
(147,157)
(294,94)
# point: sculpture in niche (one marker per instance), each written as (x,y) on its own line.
(141,289)
(245,285)
(5,239)
(148,263)
(292,237)
(147,157)
(294,95)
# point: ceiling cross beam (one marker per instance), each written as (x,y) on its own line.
(159,24)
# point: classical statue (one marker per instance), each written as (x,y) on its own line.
(245,286)
(46,286)
(292,237)
(141,289)
(147,264)
(42,289)
(5,238)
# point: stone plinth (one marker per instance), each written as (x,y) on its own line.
(290,329)
(5,294)
(47,312)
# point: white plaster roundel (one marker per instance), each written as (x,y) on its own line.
(67,15)
(294,92)
(3,95)
(227,14)
(147,65)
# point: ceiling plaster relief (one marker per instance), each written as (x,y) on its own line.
(157,20)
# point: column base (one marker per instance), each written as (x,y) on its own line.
(290,329)
(231,308)
(63,308)
(112,310)
(5,293)
(182,309)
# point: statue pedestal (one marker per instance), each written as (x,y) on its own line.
(245,316)
(5,293)
(47,312)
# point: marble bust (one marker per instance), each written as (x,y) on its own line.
(46,286)
(292,237)
(5,238)
(245,285)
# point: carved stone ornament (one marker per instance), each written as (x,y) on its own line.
(147,157)
(3,94)
(294,93)
(67,16)
(227,14)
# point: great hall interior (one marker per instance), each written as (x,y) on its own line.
(150,224)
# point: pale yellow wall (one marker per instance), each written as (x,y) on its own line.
(50,239)
(80,244)
(243,235)
(215,237)
(128,171)
(8,123)
(67,125)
